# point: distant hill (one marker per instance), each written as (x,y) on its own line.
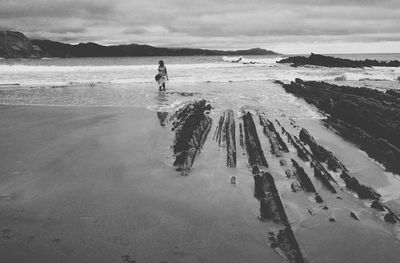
(57,49)
(17,45)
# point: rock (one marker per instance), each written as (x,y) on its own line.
(376,205)
(354,216)
(298,81)
(300,151)
(320,152)
(367,117)
(318,199)
(363,191)
(16,45)
(225,134)
(191,127)
(303,178)
(332,219)
(394,92)
(277,144)
(295,186)
(390,218)
(258,187)
(328,61)
(252,142)
(324,176)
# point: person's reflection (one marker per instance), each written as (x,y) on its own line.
(163,101)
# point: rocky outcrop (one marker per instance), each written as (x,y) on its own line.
(301,153)
(327,61)
(394,92)
(225,136)
(363,192)
(277,144)
(272,209)
(252,142)
(367,117)
(191,125)
(321,154)
(17,45)
(303,178)
(319,171)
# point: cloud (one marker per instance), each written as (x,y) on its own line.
(209,23)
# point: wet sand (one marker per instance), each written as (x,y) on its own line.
(94,184)
(97,184)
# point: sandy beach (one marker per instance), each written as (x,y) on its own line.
(97,184)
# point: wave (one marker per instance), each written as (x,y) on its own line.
(244,60)
(117,68)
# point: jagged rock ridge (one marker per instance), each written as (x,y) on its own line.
(328,61)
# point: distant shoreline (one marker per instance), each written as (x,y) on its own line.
(16,45)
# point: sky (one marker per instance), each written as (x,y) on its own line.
(285,26)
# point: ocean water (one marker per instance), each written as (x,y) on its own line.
(230,82)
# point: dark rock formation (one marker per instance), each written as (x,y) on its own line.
(354,216)
(277,144)
(301,153)
(271,204)
(327,61)
(378,206)
(319,171)
(225,135)
(241,137)
(363,192)
(58,49)
(271,208)
(394,92)
(324,177)
(320,153)
(287,242)
(390,218)
(303,178)
(191,126)
(17,45)
(367,117)
(318,198)
(252,142)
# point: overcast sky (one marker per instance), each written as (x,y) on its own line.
(286,26)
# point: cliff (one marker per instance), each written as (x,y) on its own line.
(17,45)
(327,61)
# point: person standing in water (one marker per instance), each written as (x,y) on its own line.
(162,71)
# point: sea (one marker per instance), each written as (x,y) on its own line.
(229,82)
